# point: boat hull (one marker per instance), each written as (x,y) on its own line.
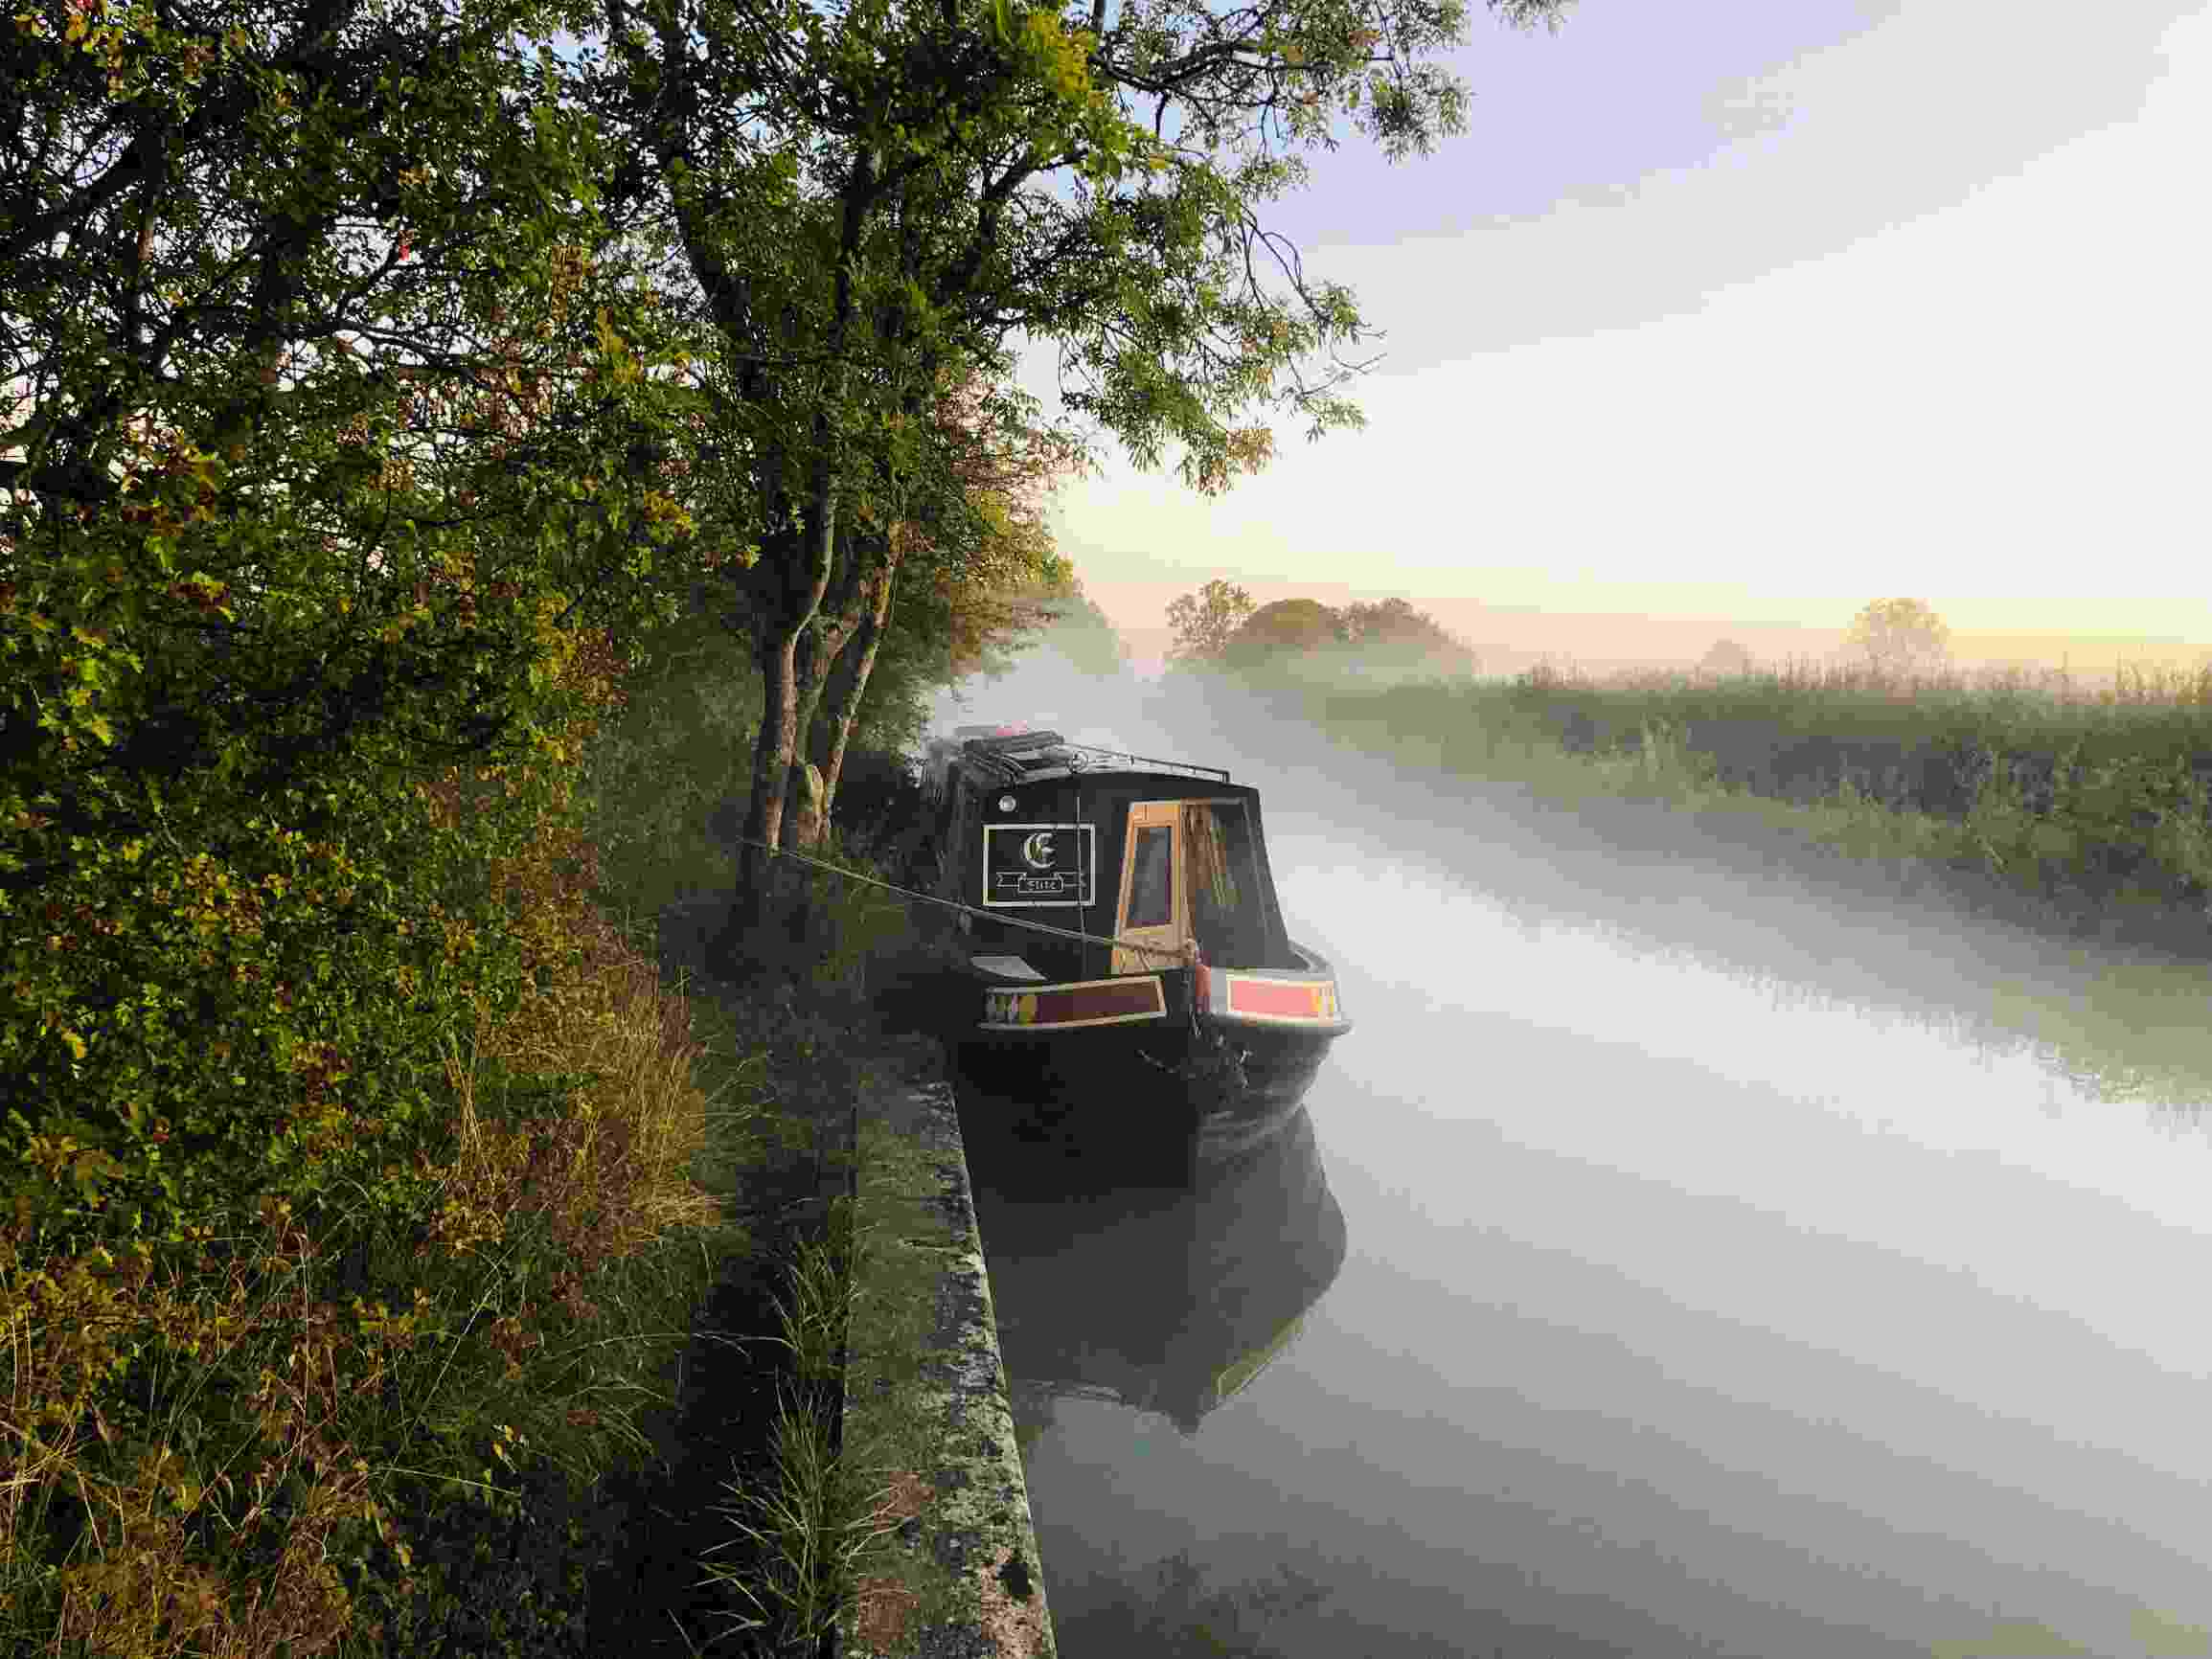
(1217,1090)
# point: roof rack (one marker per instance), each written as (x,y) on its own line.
(1011,742)
(1008,757)
(1149,761)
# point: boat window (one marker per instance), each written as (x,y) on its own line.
(1152,892)
(1224,884)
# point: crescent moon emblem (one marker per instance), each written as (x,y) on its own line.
(1036,850)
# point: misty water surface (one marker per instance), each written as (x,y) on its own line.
(1674,1311)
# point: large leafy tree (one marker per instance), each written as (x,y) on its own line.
(961,533)
(864,199)
(252,266)
(967,514)
(280,584)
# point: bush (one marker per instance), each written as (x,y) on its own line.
(347,1160)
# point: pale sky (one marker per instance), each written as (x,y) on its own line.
(1747,312)
(1735,309)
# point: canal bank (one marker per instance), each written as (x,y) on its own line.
(899,1494)
(927,1418)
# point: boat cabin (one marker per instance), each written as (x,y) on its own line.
(1157,854)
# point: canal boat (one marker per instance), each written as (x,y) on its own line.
(1124,942)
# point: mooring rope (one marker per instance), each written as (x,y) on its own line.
(1150,949)
(1224,1058)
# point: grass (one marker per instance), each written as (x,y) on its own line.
(446,1425)
(809,1524)
(2096,793)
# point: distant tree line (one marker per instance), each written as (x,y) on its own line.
(1220,627)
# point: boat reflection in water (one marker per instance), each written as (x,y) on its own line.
(1139,1274)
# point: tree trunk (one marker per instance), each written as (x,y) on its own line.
(847,700)
(813,661)
(801,576)
(781,632)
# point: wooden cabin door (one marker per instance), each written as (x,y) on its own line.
(1153,911)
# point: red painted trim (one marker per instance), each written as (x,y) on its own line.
(1097,1001)
(1286,999)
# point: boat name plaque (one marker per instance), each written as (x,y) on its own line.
(1039,864)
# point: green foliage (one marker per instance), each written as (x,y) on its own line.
(1205,622)
(657,771)
(1388,640)
(2081,813)
(812,1522)
(363,370)
(861,204)
(304,625)
(246,623)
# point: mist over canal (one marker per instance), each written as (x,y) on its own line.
(1634,1303)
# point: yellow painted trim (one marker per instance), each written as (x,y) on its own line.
(1072,1024)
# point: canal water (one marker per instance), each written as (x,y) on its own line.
(1617,1295)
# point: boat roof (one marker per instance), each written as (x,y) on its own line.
(1038,756)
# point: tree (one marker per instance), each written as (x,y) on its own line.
(864,199)
(1391,634)
(246,286)
(1290,627)
(940,629)
(267,607)
(247,592)
(1725,657)
(1082,632)
(973,519)
(1899,636)
(1206,620)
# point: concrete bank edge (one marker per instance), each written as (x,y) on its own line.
(927,1418)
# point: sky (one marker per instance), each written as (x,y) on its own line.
(1728,310)
(1732,316)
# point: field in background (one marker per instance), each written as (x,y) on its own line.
(2089,797)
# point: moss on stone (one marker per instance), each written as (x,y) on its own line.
(927,1421)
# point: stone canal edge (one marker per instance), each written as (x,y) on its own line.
(927,1421)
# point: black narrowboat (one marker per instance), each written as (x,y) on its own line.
(1161,979)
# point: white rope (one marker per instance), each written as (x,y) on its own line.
(1150,949)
